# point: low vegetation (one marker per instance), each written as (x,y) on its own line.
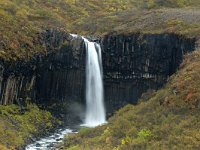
(18,126)
(168,120)
(20,20)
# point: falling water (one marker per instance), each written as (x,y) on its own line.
(95,111)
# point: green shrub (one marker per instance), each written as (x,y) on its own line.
(144,134)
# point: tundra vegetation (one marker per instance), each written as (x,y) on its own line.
(18,125)
(20,20)
(168,120)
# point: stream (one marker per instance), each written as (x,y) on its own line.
(49,142)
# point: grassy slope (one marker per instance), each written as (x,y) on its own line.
(20,20)
(168,120)
(17,127)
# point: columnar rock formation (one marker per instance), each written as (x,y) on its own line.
(132,64)
(135,63)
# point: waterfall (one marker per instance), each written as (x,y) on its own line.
(95,111)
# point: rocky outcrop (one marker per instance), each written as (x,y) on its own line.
(43,78)
(135,63)
(60,75)
(17,81)
(132,64)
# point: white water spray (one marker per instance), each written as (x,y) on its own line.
(95,111)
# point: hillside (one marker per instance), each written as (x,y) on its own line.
(168,120)
(20,21)
(17,127)
(146,39)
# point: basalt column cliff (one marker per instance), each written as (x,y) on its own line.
(132,64)
(136,63)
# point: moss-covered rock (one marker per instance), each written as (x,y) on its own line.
(17,127)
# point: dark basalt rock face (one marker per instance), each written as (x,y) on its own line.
(17,81)
(132,65)
(46,77)
(135,63)
(61,74)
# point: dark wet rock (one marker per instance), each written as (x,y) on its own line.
(58,147)
(56,135)
(60,139)
(38,145)
(33,139)
(51,145)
